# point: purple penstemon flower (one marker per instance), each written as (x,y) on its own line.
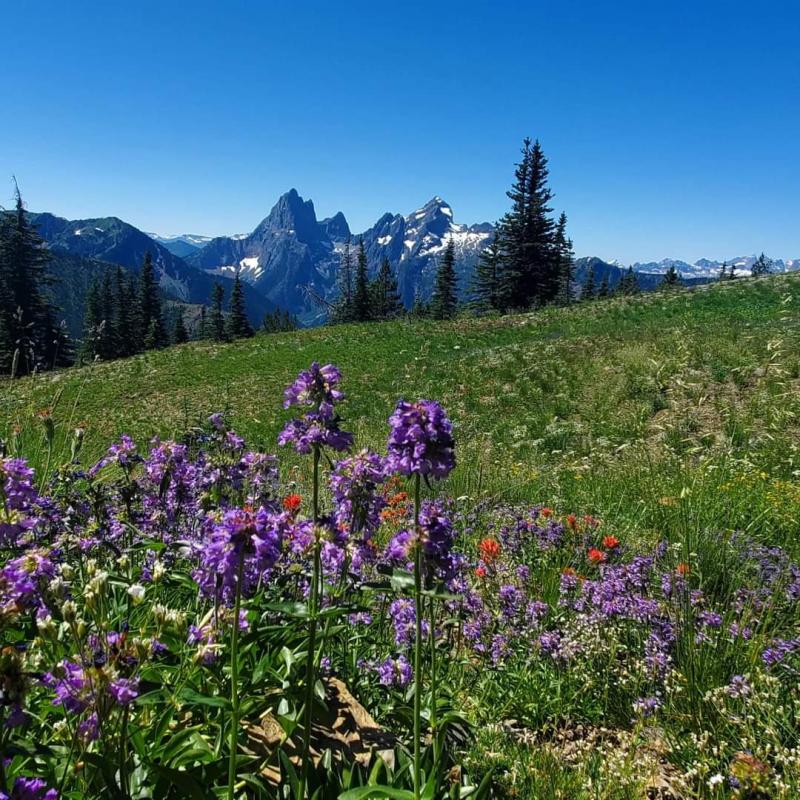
(421,440)
(30,789)
(395,672)
(243,539)
(315,388)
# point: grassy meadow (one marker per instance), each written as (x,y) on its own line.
(671,417)
(662,413)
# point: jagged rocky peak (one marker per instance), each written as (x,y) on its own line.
(291,214)
(336,227)
(435,217)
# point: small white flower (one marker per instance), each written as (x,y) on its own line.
(136,592)
(715,780)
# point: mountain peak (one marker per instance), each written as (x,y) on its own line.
(336,227)
(291,214)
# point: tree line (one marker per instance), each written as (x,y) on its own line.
(126,315)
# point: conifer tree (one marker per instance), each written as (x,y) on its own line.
(486,290)
(150,317)
(30,336)
(386,303)
(565,261)
(279,321)
(126,317)
(444,301)
(629,284)
(672,278)
(420,308)
(588,287)
(605,288)
(361,295)
(238,325)
(217,318)
(202,328)
(723,276)
(762,266)
(179,333)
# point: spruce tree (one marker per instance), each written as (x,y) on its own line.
(672,278)
(629,284)
(238,325)
(723,271)
(361,296)
(127,324)
(486,289)
(587,292)
(605,288)
(386,303)
(444,301)
(419,308)
(565,261)
(30,336)
(217,320)
(762,266)
(150,317)
(179,333)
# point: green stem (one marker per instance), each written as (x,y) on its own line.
(234,732)
(419,610)
(312,633)
(433,677)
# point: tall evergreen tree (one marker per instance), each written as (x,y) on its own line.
(217,318)
(762,266)
(126,316)
(565,261)
(179,333)
(150,316)
(629,283)
(30,336)
(238,325)
(419,308)
(723,275)
(386,303)
(486,289)
(672,278)
(362,310)
(587,293)
(444,302)
(605,287)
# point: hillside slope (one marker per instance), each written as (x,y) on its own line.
(544,404)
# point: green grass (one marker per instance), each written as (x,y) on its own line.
(669,416)
(664,412)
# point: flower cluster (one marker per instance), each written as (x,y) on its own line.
(421,440)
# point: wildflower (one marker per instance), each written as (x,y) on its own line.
(480,571)
(354,484)
(683,569)
(421,440)
(395,672)
(738,687)
(292,502)
(715,780)
(610,542)
(30,789)
(572,521)
(647,706)
(489,550)
(546,512)
(596,556)
(136,593)
(244,541)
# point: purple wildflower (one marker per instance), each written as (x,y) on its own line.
(421,440)
(395,672)
(30,789)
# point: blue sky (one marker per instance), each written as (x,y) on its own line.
(672,128)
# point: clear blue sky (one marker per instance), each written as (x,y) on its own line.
(672,128)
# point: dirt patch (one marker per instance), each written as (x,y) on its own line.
(345,729)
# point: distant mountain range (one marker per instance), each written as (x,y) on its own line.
(110,241)
(291,259)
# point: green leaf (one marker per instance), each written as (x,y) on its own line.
(183,781)
(363,792)
(195,698)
